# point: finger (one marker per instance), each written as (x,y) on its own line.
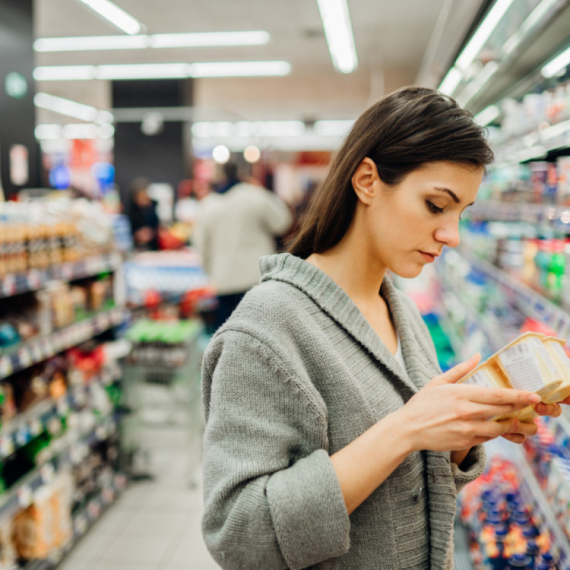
(499,396)
(524,428)
(565,401)
(515,437)
(476,411)
(495,429)
(553,410)
(457,372)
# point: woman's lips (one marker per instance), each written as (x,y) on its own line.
(428,256)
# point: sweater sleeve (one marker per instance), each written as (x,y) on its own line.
(272,499)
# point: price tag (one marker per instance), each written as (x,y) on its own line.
(37,352)
(6,446)
(94,509)
(35,427)
(47,473)
(25,496)
(120,481)
(9,285)
(22,436)
(108,495)
(34,279)
(80,524)
(62,406)
(67,271)
(5,366)
(25,357)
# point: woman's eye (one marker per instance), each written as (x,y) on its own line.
(433,208)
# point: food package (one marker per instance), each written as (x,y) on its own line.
(533,362)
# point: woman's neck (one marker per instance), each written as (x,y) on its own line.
(353,267)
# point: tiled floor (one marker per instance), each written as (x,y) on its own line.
(155,525)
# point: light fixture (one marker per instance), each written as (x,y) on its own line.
(338,32)
(555,130)
(47,132)
(117,16)
(451,81)
(252,154)
(65,73)
(239,69)
(208,39)
(71,108)
(525,28)
(332,128)
(142,71)
(531,153)
(162,70)
(557,64)
(223,129)
(481,79)
(481,35)
(93,43)
(487,115)
(221,154)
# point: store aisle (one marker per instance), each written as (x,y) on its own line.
(155,524)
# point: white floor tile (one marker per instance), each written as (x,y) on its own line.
(90,547)
(146,552)
(155,525)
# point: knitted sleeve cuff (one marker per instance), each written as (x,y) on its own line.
(308,511)
(471,467)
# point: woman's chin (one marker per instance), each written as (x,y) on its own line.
(408,271)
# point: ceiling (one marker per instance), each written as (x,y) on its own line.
(397,42)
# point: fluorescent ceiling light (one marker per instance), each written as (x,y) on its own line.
(451,81)
(530,153)
(209,39)
(557,64)
(555,130)
(485,29)
(142,71)
(91,43)
(481,79)
(65,73)
(338,31)
(47,132)
(115,15)
(532,20)
(223,129)
(74,131)
(332,128)
(487,115)
(72,108)
(163,70)
(239,69)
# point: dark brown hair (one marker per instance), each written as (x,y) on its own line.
(400,133)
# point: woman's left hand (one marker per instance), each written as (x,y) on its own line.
(521,430)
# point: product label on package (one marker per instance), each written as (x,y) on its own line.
(480,378)
(562,353)
(521,364)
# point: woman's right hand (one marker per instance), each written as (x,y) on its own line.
(446,416)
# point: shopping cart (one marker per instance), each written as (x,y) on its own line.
(161,387)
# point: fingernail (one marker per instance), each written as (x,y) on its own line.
(534,399)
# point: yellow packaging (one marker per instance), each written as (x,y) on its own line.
(531,362)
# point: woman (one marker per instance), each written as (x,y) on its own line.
(332,439)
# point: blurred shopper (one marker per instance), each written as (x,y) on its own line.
(231,177)
(233,231)
(142,214)
(332,439)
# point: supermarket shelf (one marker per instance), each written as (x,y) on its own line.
(555,217)
(528,301)
(83,521)
(35,279)
(21,494)
(37,350)
(541,504)
(18,431)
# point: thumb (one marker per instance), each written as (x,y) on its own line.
(455,374)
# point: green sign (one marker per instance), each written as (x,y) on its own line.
(16,85)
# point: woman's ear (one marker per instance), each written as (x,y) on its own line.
(365,181)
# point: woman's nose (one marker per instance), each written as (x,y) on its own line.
(448,235)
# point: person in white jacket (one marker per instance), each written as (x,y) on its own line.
(232,233)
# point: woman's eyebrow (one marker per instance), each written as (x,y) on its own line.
(450,192)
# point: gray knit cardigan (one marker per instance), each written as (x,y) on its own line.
(294,375)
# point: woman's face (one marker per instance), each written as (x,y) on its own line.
(409,224)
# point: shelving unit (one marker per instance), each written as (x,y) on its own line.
(39,349)
(35,279)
